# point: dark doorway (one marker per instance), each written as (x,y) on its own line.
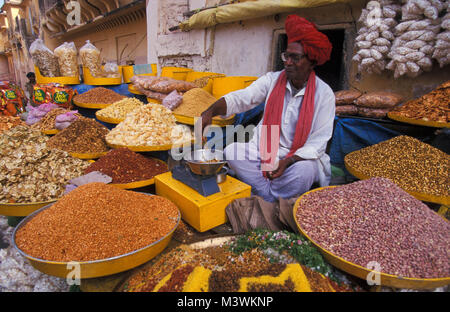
(332,71)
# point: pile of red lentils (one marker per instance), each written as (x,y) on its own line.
(97,221)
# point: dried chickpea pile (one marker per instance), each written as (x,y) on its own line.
(120,109)
(216,269)
(97,221)
(149,125)
(29,171)
(84,135)
(433,106)
(98,95)
(8,122)
(410,163)
(375,220)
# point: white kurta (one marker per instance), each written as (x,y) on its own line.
(321,128)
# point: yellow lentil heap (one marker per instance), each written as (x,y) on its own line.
(120,109)
(195,101)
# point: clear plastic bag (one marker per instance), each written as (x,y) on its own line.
(111,70)
(67,59)
(90,58)
(173,100)
(44,59)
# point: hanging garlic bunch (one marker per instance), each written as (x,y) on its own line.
(375,36)
(442,48)
(413,47)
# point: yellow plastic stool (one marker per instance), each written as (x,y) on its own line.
(178,73)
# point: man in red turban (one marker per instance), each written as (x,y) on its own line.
(287,152)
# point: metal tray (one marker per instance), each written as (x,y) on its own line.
(96,268)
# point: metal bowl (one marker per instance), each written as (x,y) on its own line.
(205,162)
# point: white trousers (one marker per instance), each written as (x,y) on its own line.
(243,159)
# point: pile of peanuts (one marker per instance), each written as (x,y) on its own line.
(413,165)
(375,221)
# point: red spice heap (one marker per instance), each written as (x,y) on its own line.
(97,221)
(125,166)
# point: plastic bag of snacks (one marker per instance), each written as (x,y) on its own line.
(62,95)
(41,95)
(90,58)
(11,102)
(44,59)
(37,113)
(173,100)
(111,70)
(64,120)
(67,59)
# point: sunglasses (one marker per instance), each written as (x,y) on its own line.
(295,57)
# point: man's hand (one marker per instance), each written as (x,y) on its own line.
(219,107)
(283,164)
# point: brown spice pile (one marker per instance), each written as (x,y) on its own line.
(410,163)
(375,220)
(125,166)
(97,221)
(195,101)
(98,95)
(84,135)
(433,106)
(8,122)
(48,121)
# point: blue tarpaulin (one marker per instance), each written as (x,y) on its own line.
(351,134)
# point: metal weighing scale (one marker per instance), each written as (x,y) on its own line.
(199,170)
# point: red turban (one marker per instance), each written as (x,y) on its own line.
(315,44)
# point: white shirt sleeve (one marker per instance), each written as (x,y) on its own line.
(245,99)
(322,124)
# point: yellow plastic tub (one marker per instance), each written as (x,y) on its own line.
(61,80)
(89,80)
(361,272)
(178,73)
(128,72)
(225,85)
(194,75)
(97,268)
(150,100)
(419,122)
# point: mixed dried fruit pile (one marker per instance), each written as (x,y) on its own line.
(31,172)
(149,125)
(433,106)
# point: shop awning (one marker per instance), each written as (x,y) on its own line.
(248,10)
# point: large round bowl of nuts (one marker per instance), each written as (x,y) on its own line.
(374,230)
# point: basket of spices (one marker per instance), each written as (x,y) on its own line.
(195,102)
(84,138)
(97,98)
(128,169)
(31,174)
(116,112)
(418,168)
(374,227)
(106,230)
(151,127)
(47,123)
(243,263)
